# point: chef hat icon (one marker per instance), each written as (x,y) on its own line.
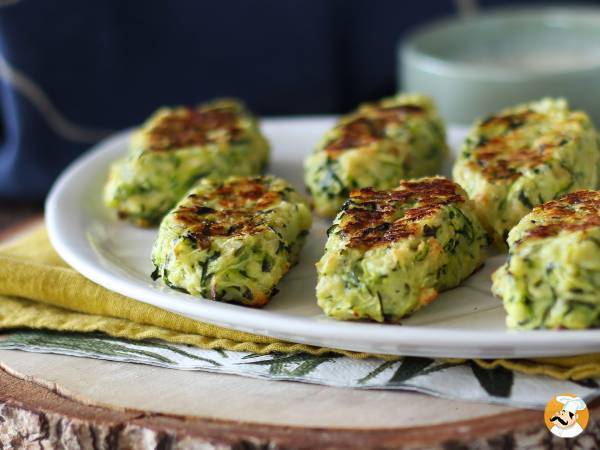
(572,404)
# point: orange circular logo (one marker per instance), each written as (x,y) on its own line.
(566,415)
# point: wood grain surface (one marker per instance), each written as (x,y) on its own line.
(41,405)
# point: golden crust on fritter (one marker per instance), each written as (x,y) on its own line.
(233,209)
(504,148)
(393,114)
(368,125)
(510,121)
(577,211)
(371,215)
(186,126)
(239,192)
(358,132)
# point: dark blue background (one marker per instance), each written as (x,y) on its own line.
(107,64)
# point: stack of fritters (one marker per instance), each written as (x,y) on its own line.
(177,147)
(376,146)
(525,156)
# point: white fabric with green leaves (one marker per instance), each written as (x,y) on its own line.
(464,381)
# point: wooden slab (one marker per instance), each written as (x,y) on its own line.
(48,398)
(231,397)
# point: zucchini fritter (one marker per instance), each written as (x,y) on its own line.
(232,241)
(376,146)
(552,277)
(525,156)
(389,252)
(178,146)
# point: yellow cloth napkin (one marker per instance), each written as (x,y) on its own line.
(39,290)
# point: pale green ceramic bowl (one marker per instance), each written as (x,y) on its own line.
(476,66)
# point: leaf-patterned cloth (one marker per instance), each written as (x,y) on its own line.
(457,380)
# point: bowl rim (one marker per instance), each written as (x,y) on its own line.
(413,55)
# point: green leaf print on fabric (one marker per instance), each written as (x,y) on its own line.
(376,371)
(80,343)
(497,382)
(98,343)
(296,364)
(409,367)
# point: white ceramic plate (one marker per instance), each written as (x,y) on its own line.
(463,322)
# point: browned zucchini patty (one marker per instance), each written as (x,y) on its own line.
(390,252)
(232,241)
(525,156)
(552,276)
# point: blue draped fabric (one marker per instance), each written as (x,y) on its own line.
(71,71)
